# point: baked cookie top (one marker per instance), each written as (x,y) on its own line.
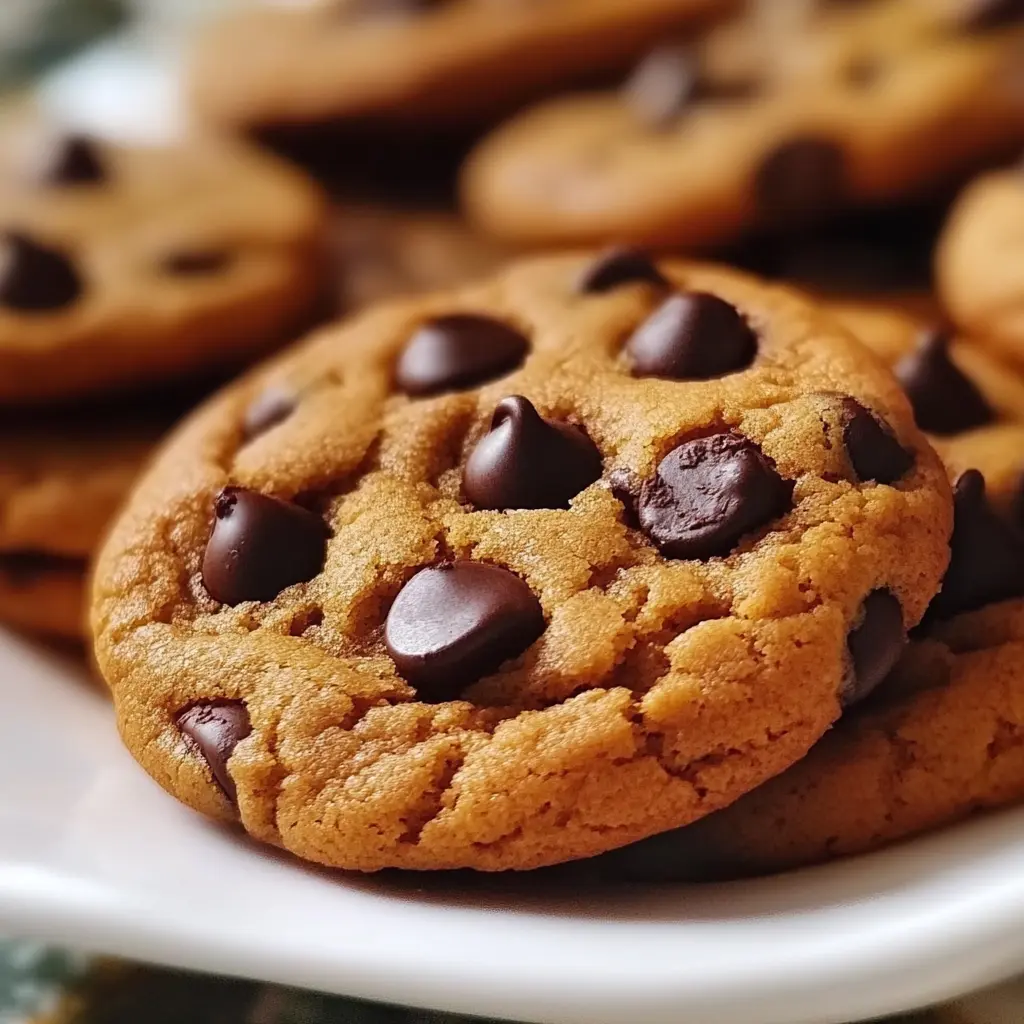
(121,265)
(451,583)
(406,61)
(941,737)
(798,111)
(982,241)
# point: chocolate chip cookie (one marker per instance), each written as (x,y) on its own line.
(126,265)
(60,486)
(975,262)
(797,112)
(415,64)
(451,583)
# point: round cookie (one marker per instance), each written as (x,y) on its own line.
(777,121)
(975,262)
(120,266)
(416,64)
(381,252)
(451,583)
(60,487)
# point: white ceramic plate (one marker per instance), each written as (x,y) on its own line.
(93,854)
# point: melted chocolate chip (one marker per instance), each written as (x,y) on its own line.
(195,262)
(986,555)
(259,546)
(693,336)
(69,160)
(35,278)
(452,624)
(871,446)
(663,85)
(800,180)
(981,15)
(215,728)
(618,266)
(526,461)
(456,352)
(875,644)
(709,492)
(272,406)
(944,400)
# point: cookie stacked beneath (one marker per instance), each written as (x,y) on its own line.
(126,276)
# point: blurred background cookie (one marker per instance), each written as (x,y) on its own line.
(842,106)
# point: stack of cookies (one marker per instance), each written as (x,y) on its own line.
(127,277)
(613,561)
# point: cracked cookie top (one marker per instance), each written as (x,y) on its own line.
(794,113)
(452,582)
(125,265)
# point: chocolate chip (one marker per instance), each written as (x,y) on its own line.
(663,85)
(456,352)
(69,160)
(943,399)
(452,624)
(215,728)
(618,266)
(526,461)
(272,406)
(800,180)
(709,492)
(693,336)
(980,15)
(875,644)
(195,262)
(35,278)
(871,446)
(259,546)
(986,555)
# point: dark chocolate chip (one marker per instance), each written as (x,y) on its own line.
(663,85)
(875,644)
(456,352)
(800,180)
(986,555)
(981,15)
(259,546)
(709,492)
(693,336)
(272,406)
(195,262)
(215,728)
(35,278)
(526,461)
(69,160)
(618,266)
(452,624)
(871,446)
(944,400)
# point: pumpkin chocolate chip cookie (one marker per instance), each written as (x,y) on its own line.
(451,583)
(796,112)
(416,62)
(121,266)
